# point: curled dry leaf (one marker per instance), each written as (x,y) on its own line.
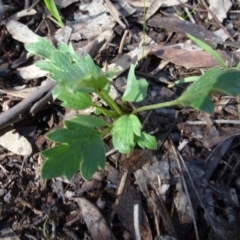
(92,24)
(12,141)
(31,72)
(63,34)
(21,32)
(94,220)
(219,8)
(192,58)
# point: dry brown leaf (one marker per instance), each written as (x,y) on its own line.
(31,72)
(21,32)
(219,8)
(193,59)
(156,4)
(14,142)
(63,34)
(92,24)
(94,220)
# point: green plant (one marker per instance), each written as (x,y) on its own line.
(208,49)
(79,145)
(51,6)
(44,230)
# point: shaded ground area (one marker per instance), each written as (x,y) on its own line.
(187,189)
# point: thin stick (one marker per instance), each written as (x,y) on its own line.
(115,14)
(119,192)
(217,21)
(189,15)
(219,121)
(15,114)
(136,221)
(178,156)
(33,5)
(123,40)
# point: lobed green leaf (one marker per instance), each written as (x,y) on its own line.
(136,90)
(226,81)
(42,48)
(146,141)
(76,101)
(123,132)
(81,148)
(89,121)
(69,70)
(136,124)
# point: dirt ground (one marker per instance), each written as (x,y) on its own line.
(187,189)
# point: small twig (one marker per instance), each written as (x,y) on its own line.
(121,186)
(15,113)
(136,221)
(53,236)
(160,79)
(41,103)
(220,121)
(3,169)
(193,7)
(157,224)
(183,144)
(29,205)
(33,5)
(26,5)
(23,162)
(189,15)
(30,237)
(217,21)
(119,192)
(146,119)
(110,152)
(115,14)
(123,40)
(178,156)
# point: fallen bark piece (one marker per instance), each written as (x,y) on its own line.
(94,220)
